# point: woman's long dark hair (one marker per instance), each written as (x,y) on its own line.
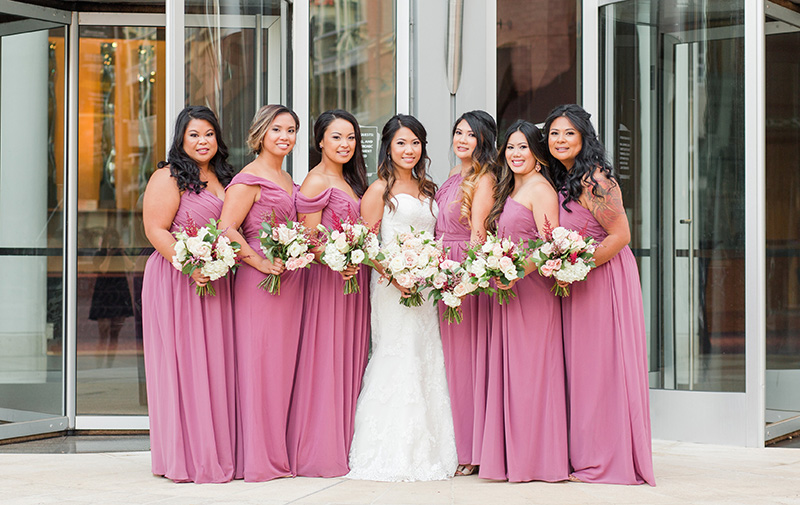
(483,156)
(386,168)
(505,176)
(591,157)
(355,170)
(183,168)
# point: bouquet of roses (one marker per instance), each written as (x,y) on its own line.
(564,254)
(499,258)
(410,259)
(450,284)
(207,248)
(290,242)
(350,242)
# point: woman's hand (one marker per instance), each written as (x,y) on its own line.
(349,272)
(404,292)
(501,285)
(271,267)
(200,279)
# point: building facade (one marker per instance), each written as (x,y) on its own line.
(696,101)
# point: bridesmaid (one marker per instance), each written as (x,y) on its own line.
(188,339)
(267,326)
(526,407)
(604,334)
(335,334)
(464,201)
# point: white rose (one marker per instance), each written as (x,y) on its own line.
(451,300)
(177,263)
(547,248)
(199,248)
(487,247)
(285,235)
(571,273)
(357,256)
(493,262)
(461,290)
(439,281)
(397,264)
(560,233)
(214,269)
(295,250)
(341,243)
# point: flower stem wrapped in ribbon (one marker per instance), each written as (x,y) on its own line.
(289,241)
(350,242)
(207,248)
(563,254)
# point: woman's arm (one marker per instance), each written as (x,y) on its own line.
(607,208)
(239,199)
(482,202)
(162,198)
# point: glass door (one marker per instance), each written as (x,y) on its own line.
(672,116)
(783,220)
(32,157)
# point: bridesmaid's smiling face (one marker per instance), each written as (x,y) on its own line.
(200,141)
(519,156)
(281,136)
(565,141)
(405,149)
(464,141)
(339,141)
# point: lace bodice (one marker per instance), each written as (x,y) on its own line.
(413,212)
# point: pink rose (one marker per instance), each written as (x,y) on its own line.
(505,263)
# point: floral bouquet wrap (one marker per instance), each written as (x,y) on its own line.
(290,242)
(207,248)
(564,254)
(450,284)
(410,259)
(350,242)
(499,258)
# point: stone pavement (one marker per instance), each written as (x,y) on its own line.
(685,473)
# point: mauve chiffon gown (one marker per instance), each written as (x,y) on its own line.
(189,362)
(333,354)
(606,361)
(525,437)
(267,337)
(466,344)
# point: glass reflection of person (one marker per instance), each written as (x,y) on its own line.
(111,299)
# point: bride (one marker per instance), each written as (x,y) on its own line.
(403,425)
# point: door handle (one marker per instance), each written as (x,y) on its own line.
(686,221)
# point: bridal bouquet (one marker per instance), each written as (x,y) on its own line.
(207,248)
(349,243)
(410,258)
(290,242)
(499,258)
(565,255)
(451,283)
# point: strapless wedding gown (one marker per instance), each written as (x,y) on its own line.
(403,425)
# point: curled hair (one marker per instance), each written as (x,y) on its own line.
(504,185)
(182,167)
(355,170)
(591,157)
(483,156)
(386,167)
(261,122)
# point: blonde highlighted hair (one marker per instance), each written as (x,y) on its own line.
(261,121)
(483,156)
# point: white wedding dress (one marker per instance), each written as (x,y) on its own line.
(403,425)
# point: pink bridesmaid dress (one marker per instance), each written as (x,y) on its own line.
(606,359)
(189,362)
(267,337)
(525,437)
(466,344)
(333,354)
